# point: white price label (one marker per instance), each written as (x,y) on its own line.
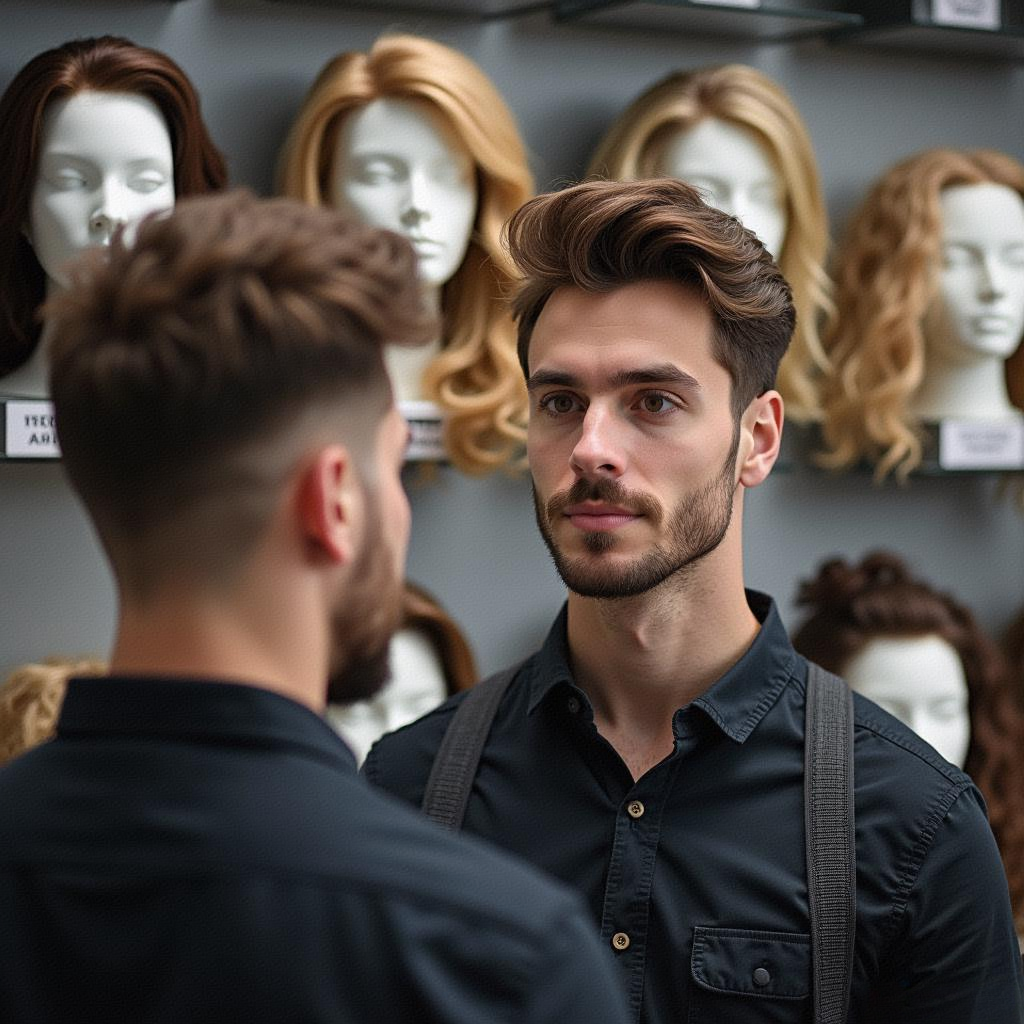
(426,431)
(981,444)
(30,431)
(966,13)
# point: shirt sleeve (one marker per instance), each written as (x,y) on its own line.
(957,959)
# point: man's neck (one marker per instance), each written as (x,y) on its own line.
(205,637)
(641,658)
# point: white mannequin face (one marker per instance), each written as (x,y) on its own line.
(735,172)
(105,159)
(417,685)
(399,165)
(979,308)
(919,680)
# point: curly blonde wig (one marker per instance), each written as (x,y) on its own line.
(886,277)
(634,146)
(31,699)
(475,378)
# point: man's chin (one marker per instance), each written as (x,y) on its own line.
(361,678)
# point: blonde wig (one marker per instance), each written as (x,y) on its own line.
(634,148)
(475,378)
(886,278)
(31,699)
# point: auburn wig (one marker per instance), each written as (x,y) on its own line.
(105,64)
(851,605)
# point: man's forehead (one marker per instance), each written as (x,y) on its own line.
(629,330)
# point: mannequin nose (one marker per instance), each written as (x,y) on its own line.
(992,282)
(108,216)
(413,216)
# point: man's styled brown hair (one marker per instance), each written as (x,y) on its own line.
(602,235)
(183,367)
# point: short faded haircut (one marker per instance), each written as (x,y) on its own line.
(602,235)
(179,363)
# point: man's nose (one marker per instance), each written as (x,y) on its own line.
(598,450)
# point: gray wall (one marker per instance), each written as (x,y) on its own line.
(474,542)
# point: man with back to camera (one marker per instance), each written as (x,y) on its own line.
(651,752)
(195,844)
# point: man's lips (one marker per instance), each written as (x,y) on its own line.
(592,517)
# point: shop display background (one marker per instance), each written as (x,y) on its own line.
(474,542)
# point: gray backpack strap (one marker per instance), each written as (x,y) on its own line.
(830,842)
(454,769)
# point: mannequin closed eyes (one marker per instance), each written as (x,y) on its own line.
(976,320)
(105,161)
(735,172)
(400,166)
(921,681)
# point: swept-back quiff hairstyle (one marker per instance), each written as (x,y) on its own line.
(634,148)
(104,64)
(886,277)
(851,605)
(601,235)
(474,377)
(226,324)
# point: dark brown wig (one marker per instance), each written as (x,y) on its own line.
(421,612)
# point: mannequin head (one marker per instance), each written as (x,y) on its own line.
(888,633)
(733,132)
(430,661)
(37,107)
(444,100)
(930,282)
(920,680)
(105,161)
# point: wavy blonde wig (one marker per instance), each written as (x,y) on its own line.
(634,148)
(31,698)
(886,277)
(475,378)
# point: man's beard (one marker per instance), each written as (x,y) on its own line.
(363,628)
(697,526)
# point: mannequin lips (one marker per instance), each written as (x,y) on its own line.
(596,517)
(991,323)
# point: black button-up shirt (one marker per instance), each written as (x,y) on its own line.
(695,873)
(189,852)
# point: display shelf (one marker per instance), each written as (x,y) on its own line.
(906,25)
(774,23)
(950,450)
(480,10)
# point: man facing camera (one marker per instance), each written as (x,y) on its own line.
(194,844)
(653,752)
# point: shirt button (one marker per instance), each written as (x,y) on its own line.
(635,809)
(573,705)
(620,941)
(761,977)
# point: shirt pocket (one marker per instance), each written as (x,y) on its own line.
(746,976)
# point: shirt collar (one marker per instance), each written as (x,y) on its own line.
(207,711)
(736,703)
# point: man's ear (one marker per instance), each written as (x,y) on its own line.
(330,505)
(760,437)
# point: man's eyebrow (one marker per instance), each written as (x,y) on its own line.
(551,378)
(659,373)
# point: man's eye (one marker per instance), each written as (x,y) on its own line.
(656,404)
(559,404)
